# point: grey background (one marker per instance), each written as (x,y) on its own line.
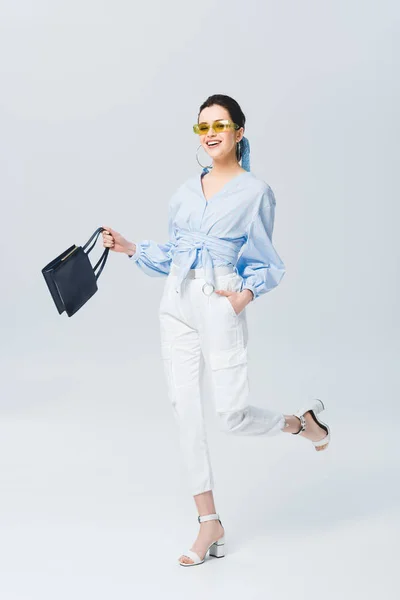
(96,108)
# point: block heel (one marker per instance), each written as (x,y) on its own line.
(218,548)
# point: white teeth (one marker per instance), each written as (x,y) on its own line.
(213,143)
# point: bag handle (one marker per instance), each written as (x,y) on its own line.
(96,235)
(103,257)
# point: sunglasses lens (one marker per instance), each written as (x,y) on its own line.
(220,126)
(201,128)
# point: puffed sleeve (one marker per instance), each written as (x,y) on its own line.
(155,259)
(259,264)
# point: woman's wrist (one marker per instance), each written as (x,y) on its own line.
(130,249)
(248,293)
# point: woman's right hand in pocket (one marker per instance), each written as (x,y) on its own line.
(116,242)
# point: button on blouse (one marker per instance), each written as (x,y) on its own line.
(233,227)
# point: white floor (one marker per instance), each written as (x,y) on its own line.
(94,501)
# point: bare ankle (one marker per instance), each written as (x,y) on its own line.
(292,424)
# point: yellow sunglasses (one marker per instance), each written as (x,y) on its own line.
(218,126)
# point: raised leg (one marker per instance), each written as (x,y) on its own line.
(225,347)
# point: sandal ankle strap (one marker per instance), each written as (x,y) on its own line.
(208,517)
(303,424)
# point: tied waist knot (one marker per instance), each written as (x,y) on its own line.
(188,242)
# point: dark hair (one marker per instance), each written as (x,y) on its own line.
(235,112)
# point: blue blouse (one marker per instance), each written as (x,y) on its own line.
(233,227)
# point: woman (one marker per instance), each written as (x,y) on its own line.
(203,308)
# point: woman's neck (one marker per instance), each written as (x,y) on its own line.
(225,170)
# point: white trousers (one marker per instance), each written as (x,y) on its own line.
(194,327)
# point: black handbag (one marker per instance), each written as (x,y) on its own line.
(70,277)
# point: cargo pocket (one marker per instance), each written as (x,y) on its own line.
(229,379)
(225,359)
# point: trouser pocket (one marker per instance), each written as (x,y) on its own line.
(231,283)
(229,377)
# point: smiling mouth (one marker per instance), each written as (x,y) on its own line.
(213,144)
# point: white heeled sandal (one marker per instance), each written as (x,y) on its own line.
(316,407)
(216,549)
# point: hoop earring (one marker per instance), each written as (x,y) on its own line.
(197,158)
(238,153)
